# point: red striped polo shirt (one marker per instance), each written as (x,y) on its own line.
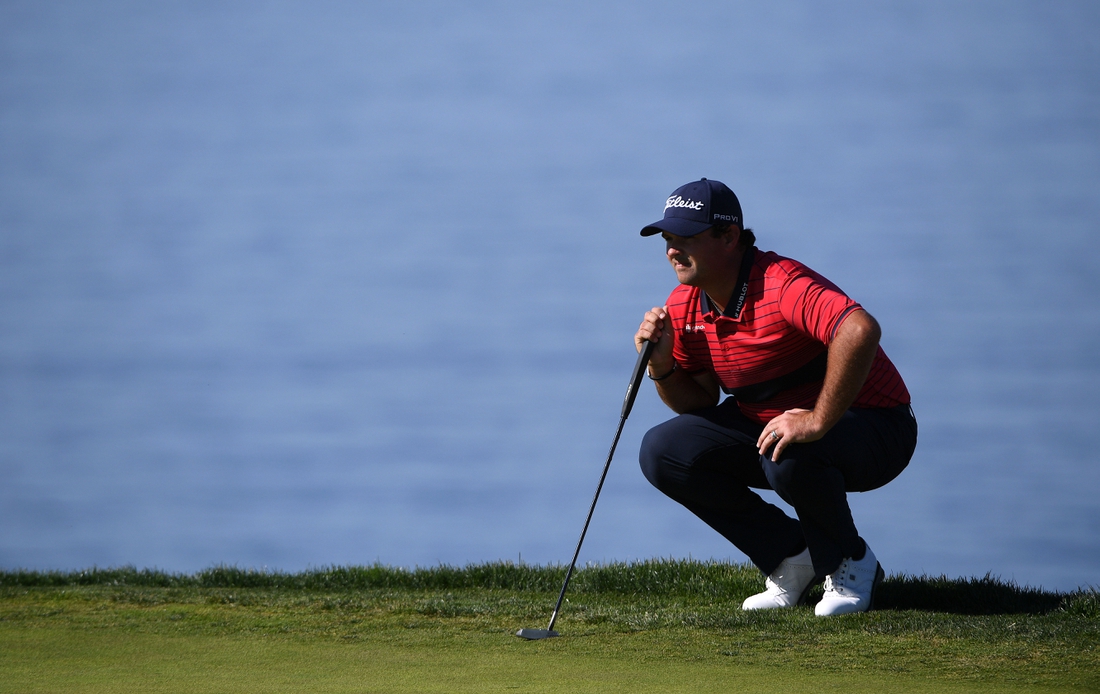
(788,316)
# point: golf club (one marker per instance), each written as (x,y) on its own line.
(628,403)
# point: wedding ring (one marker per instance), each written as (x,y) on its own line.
(775,435)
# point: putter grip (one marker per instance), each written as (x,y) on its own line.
(636,379)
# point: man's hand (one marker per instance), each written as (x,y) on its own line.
(793,426)
(656,327)
(681,391)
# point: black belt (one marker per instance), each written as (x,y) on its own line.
(812,371)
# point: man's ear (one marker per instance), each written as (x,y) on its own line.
(734,235)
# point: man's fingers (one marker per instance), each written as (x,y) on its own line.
(793,426)
(768,436)
(763,439)
(656,318)
(650,329)
(652,326)
(779,447)
(772,436)
(769,442)
(766,441)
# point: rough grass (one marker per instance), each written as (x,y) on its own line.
(728,582)
(976,596)
(648,620)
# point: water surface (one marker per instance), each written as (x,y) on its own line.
(286,288)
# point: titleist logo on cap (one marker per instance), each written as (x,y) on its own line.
(677,201)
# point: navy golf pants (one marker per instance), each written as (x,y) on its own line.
(707,460)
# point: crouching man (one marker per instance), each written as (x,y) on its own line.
(815,409)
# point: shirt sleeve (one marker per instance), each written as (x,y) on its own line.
(814,305)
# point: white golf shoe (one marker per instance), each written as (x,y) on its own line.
(787,585)
(851,588)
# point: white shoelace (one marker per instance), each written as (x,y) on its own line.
(774,588)
(838,585)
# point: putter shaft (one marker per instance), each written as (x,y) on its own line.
(628,404)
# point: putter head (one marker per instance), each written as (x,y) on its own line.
(535,634)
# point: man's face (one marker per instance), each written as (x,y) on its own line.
(697,260)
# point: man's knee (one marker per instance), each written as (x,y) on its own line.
(669,452)
(652,456)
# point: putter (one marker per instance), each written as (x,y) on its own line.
(628,403)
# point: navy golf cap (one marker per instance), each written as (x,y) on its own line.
(696,207)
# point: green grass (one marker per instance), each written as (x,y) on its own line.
(660,626)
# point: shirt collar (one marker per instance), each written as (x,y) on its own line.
(740,291)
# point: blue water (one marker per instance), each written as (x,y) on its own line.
(287,286)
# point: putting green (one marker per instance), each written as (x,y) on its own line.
(49,659)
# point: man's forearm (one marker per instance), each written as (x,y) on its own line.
(683,393)
(851,354)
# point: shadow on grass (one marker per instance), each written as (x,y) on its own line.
(976,596)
